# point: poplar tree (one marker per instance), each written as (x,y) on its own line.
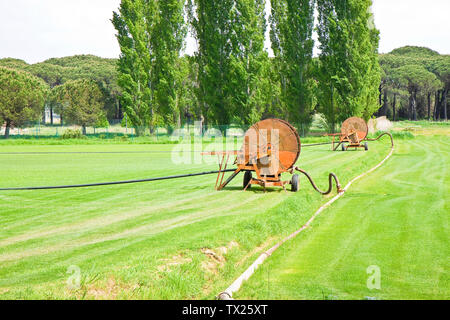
(212,27)
(167,42)
(249,59)
(292,24)
(231,59)
(348,72)
(134,65)
(151,35)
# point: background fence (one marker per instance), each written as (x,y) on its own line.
(37,130)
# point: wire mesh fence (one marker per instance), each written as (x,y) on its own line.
(38,130)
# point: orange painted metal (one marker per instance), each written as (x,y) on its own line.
(270,148)
(353,131)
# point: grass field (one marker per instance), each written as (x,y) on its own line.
(180,239)
(395,219)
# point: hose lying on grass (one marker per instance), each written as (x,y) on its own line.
(382,135)
(330,180)
(113,183)
(236,285)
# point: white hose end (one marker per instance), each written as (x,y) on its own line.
(225,296)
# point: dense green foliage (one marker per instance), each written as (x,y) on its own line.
(22,98)
(231,59)
(232,80)
(415,84)
(150,35)
(348,71)
(292,24)
(58,71)
(79,102)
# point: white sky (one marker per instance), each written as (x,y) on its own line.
(35,30)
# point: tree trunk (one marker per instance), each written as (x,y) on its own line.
(429,105)
(117,116)
(409,107)
(385,104)
(393,106)
(414,105)
(138,131)
(444,103)
(380,102)
(436,106)
(203,122)
(51,115)
(333,118)
(7,129)
(84,130)
(151,127)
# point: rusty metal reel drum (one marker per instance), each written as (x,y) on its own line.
(274,143)
(357,125)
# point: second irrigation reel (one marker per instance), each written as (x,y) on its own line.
(271,147)
(354,132)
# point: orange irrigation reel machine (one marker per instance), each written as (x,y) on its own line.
(354,132)
(271,147)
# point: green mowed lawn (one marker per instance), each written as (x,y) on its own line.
(395,219)
(180,239)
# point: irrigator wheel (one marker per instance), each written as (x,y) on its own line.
(295,183)
(355,124)
(247,177)
(258,139)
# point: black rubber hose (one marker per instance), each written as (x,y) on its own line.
(333,176)
(330,188)
(317,144)
(113,183)
(381,135)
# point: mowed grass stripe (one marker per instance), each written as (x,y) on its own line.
(114,223)
(396,218)
(153,222)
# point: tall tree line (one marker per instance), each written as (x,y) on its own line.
(235,80)
(232,80)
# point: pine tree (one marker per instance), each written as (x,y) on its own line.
(22,98)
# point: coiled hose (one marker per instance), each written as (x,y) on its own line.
(330,181)
(333,176)
(381,135)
